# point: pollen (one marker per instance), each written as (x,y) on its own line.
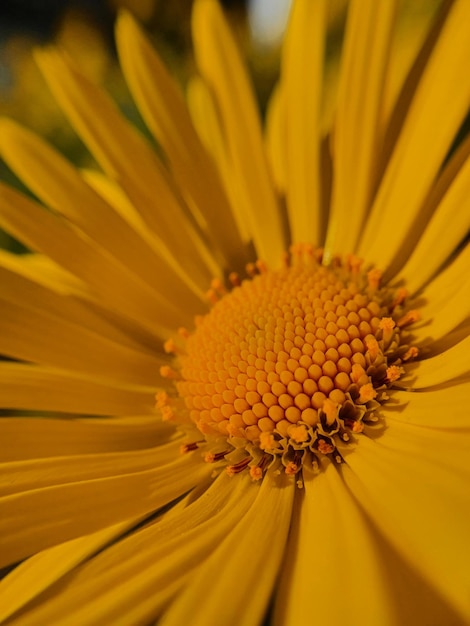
(288,363)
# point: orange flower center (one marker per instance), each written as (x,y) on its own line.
(289,363)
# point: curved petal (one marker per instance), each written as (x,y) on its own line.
(166,114)
(220,64)
(42,389)
(413,483)
(450,364)
(112,139)
(133,580)
(40,518)
(331,560)
(301,79)
(250,556)
(430,127)
(42,570)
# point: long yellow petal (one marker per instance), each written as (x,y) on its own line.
(167,116)
(59,185)
(35,438)
(446,229)
(415,489)
(42,389)
(331,540)
(301,80)
(428,132)
(111,139)
(35,474)
(42,570)
(251,554)
(110,281)
(45,339)
(452,363)
(206,119)
(133,580)
(220,64)
(418,407)
(356,138)
(40,518)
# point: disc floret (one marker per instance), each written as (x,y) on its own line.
(288,363)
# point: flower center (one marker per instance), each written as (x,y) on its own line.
(288,363)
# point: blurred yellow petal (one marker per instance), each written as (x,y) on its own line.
(60,186)
(112,139)
(276,138)
(148,578)
(443,233)
(166,114)
(430,126)
(219,63)
(357,138)
(206,119)
(42,231)
(417,408)
(41,389)
(34,575)
(40,518)
(302,74)
(37,438)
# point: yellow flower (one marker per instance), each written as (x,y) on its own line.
(308,452)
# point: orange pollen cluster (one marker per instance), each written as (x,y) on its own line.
(288,364)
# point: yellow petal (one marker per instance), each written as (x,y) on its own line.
(40,518)
(251,555)
(21,476)
(454,311)
(220,64)
(428,132)
(357,139)
(206,119)
(133,580)
(33,576)
(301,78)
(59,185)
(34,438)
(166,115)
(446,229)
(275,138)
(438,369)
(112,139)
(419,408)
(110,281)
(42,389)
(18,288)
(437,293)
(415,489)
(49,340)
(331,542)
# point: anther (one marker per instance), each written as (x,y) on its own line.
(409,318)
(167,372)
(411,353)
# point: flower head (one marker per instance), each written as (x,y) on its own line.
(237,365)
